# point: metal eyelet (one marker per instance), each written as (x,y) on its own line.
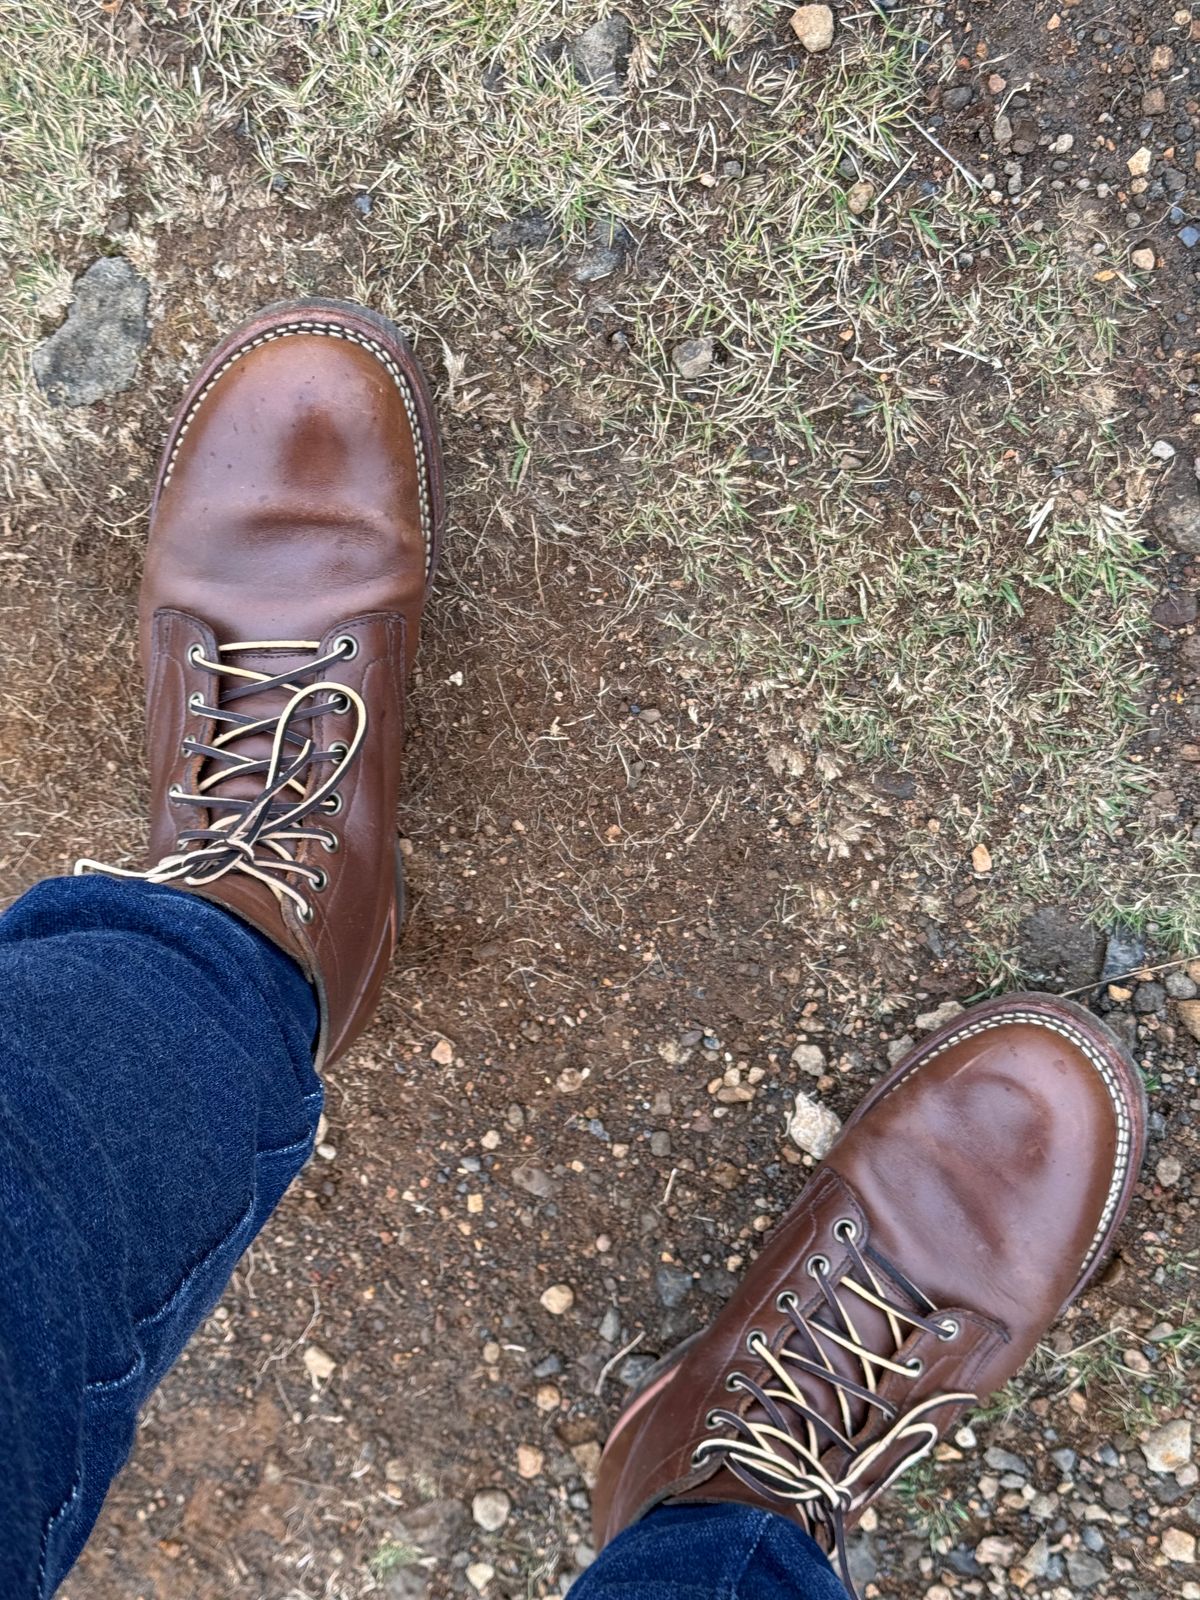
(184,753)
(338,703)
(195,653)
(817,1266)
(949,1328)
(712,1420)
(786,1300)
(332,844)
(916,1366)
(175,794)
(734,1381)
(306,914)
(697,1457)
(845,1230)
(755,1333)
(320,881)
(339,748)
(347,645)
(331,804)
(195,701)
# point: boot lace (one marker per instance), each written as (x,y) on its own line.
(258,836)
(778,1448)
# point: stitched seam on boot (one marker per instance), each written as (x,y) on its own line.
(332,331)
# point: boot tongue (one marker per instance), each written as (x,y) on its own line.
(264,705)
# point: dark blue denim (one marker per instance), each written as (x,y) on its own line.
(157,1096)
(731,1551)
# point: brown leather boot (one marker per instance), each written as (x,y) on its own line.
(293,538)
(966,1203)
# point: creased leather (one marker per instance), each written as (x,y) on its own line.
(289,509)
(987,1171)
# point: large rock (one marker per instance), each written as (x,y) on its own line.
(1058,949)
(95,354)
(1177,510)
(812,1126)
(813,26)
(600,55)
(1170,1447)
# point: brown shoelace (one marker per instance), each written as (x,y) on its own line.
(778,1448)
(258,835)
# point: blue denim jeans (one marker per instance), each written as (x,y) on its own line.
(702,1552)
(157,1096)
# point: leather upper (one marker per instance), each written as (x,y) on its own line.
(981,1183)
(299,505)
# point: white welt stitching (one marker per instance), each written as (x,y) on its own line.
(1080,1040)
(335,331)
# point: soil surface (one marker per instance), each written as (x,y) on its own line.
(583,1066)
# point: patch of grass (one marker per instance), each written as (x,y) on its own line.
(391,1556)
(893,518)
(930,1505)
(1119,1394)
(1003,1406)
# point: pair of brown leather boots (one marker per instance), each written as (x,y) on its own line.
(295,532)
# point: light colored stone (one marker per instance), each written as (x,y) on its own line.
(490,1509)
(530,1460)
(442,1053)
(558,1299)
(809,1058)
(692,358)
(1168,1172)
(813,26)
(946,1012)
(1139,163)
(479,1575)
(1032,1564)
(1180,1546)
(1189,1015)
(981,859)
(1144,259)
(587,1459)
(1170,1447)
(860,197)
(995,1552)
(812,1126)
(319,1365)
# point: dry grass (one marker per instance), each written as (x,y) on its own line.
(893,523)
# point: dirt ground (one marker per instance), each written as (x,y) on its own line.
(757,709)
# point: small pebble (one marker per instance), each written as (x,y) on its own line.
(490,1509)
(558,1299)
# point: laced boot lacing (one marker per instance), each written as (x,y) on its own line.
(781,1455)
(258,836)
